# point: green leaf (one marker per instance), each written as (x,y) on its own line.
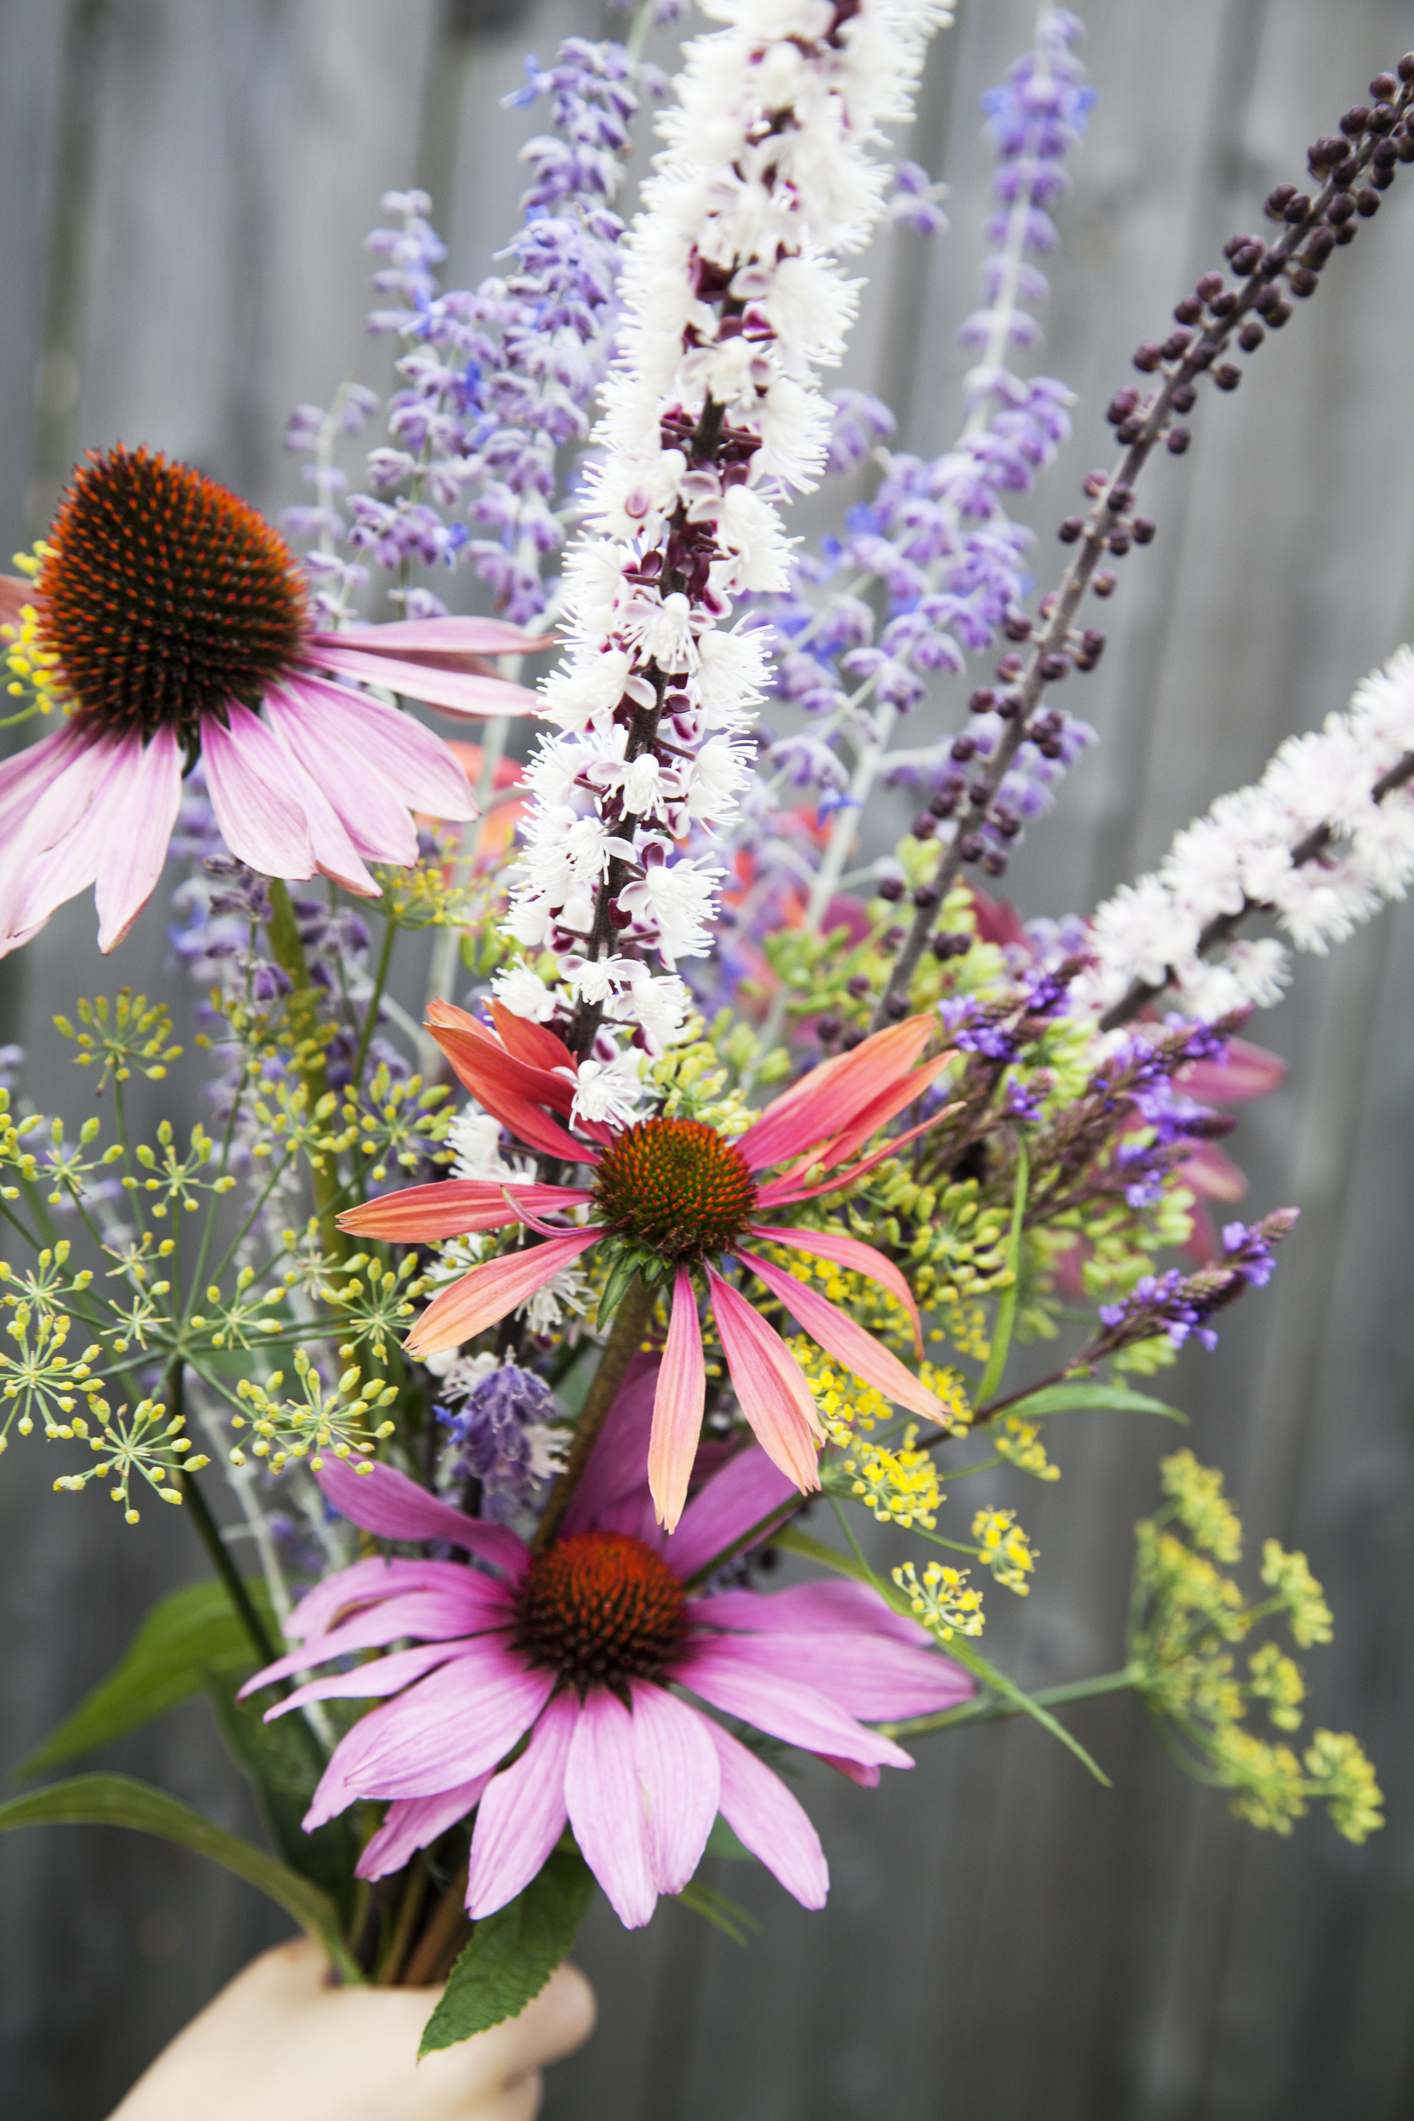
(1006,1305)
(617,1284)
(728,1916)
(1061,1399)
(512,1953)
(283,1762)
(118,1800)
(189,1634)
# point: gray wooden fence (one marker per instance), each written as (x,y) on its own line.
(183,189)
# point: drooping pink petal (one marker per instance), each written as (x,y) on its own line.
(454,691)
(388,1503)
(260,820)
(853,1253)
(489,1291)
(342,1595)
(613,1492)
(748,1490)
(836,1607)
(678,1405)
(881,1109)
(422,770)
(872,1678)
(522,1814)
(815,1109)
(532,1043)
(26,775)
(454,1206)
(484,1064)
(337,854)
(769,1383)
(867,1778)
(358,795)
(785,1708)
(146,796)
(839,1335)
(445,1729)
(456,636)
(1245,1071)
(1212,1174)
(790,1187)
(414,1823)
(378,1677)
(440,1614)
(768,1820)
(605,1800)
(681,1781)
(54,853)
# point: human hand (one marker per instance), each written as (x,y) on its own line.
(279,2042)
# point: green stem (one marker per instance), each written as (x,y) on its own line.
(370,1014)
(625,1337)
(283,930)
(992,1708)
(209,1532)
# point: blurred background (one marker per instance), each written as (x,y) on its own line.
(184,189)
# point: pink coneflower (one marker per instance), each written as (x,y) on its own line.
(180,626)
(582,1648)
(672,1195)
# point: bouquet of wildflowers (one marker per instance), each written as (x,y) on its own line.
(704,1216)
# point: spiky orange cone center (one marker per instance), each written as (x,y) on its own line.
(601,1606)
(676,1188)
(164,596)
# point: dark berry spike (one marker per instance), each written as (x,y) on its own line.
(164,596)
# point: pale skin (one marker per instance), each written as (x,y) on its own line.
(280,2042)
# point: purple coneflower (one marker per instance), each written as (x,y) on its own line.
(586,1652)
(179,623)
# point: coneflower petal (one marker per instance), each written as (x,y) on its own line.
(488,1292)
(423,771)
(677,1406)
(839,1335)
(816,1108)
(453,691)
(770,1385)
(141,811)
(853,1253)
(259,819)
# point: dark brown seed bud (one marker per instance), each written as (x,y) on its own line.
(1016,626)
(1119,497)
(1404,147)
(1055,667)
(1268,300)
(981,791)
(1070,530)
(1277,317)
(858,987)
(1319,248)
(1118,543)
(941,947)
(943,803)
(1211,284)
(1092,642)
(1251,336)
(1105,583)
(1342,206)
(1298,209)
(1346,235)
(994,863)
(1325,153)
(1009,667)
(1177,441)
(891,938)
(926,897)
(1303,281)
(1382,118)
(1049,747)
(1385,155)
(1184,398)
(1381,179)
(1122,404)
(1384,88)
(1176,343)
(1009,706)
(972,848)
(1276,200)
(896,1007)
(828,1029)
(924,826)
(1143,530)
(1223,305)
(1188,311)
(891,887)
(964,747)
(983,700)
(1355,120)
(1148,356)
(1245,254)
(1201,356)
(1405,68)
(1227,377)
(1129,431)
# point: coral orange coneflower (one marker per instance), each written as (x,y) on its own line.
(673,1196)
(174,623)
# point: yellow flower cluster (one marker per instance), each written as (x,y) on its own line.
(1188,1612)
(326,1421)
(898,1485)
(149,1444)
(34,669)
(941,1599)
(1005,1548)
(1019,1443)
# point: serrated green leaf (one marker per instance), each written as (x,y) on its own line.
(119,1800)
(1062,1399)
(190,1633)
(512,1953)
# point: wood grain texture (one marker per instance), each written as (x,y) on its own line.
(1005,1938)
